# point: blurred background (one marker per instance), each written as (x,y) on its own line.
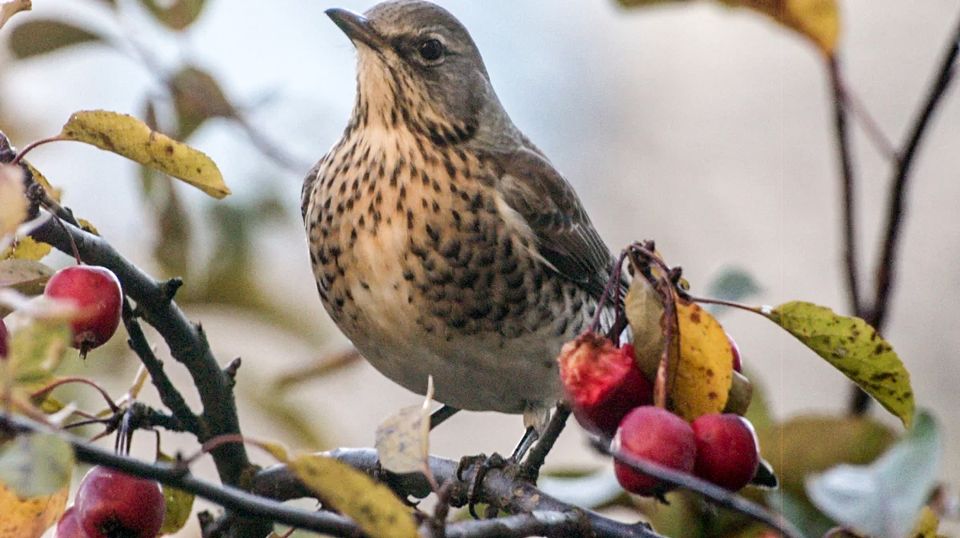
(708,129)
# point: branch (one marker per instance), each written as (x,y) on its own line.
(848,182)
(550,524)
(888,257)
(179,477)
(498,489)
(169,394)
(187,342)
(886,264)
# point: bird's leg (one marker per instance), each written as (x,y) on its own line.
(440,416)
(530,468)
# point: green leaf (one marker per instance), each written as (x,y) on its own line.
(197,97)
(371,504)
(853,347)
(885,498)
(127,136)
(179,505)
(36,350)
(798,448)
(176,15)
(36,37)
(732,284)
(36,464)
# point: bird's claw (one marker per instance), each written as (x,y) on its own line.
(484,464)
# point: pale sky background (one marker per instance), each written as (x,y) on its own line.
(704,128)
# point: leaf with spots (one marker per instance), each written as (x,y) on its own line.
(853,347)
(30,517)
(704,369)
(354,494)
(403,439)
(131,138)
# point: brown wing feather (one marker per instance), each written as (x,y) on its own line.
(566,239)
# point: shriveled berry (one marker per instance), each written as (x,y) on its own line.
(96,292)
(656,435)
(603,382)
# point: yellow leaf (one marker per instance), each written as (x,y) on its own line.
(354,494)
(704,371)
(42,180)
(817,20)
(88,226)
(13,203)
(853,347)
(127,136)
(927,524)
(29,518)
(26,248)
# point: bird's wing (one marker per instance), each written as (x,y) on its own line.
(307,189)
(565,238)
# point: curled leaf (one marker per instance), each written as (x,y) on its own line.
(354,494)
(403,439)
(853,347)
(127,136)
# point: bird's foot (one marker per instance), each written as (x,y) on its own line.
(483,464)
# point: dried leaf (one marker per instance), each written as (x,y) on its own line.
(704,370)
(25,276)
(371,504)
(197,97)
(127,136)
(644,310)
(30,517)
(853,347)
(403,439)
(12,7)
(36,37)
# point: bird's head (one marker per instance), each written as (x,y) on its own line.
(419,69)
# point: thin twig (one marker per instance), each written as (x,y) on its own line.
(499,489)
(887,262)
(530,468)
(710,492)
(848,181)
(179,477)
(169,394)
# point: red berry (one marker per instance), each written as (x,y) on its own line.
(602,381)
(110,503)
(737,364)
(96,292)
(657,435)
(69,525)
(4,340)
(727,450)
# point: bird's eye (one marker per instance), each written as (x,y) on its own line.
(430,50)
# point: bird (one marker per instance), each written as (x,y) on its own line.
(444,243)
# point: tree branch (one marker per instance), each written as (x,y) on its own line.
(169,394)
(498,489)
(849,182)
(179,477)
(550,524)
(886,264)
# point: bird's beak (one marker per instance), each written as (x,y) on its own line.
(356,26)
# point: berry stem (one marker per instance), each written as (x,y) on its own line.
(43,392)
(731,304)
(35,143)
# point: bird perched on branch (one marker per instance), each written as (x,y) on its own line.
(444,243)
